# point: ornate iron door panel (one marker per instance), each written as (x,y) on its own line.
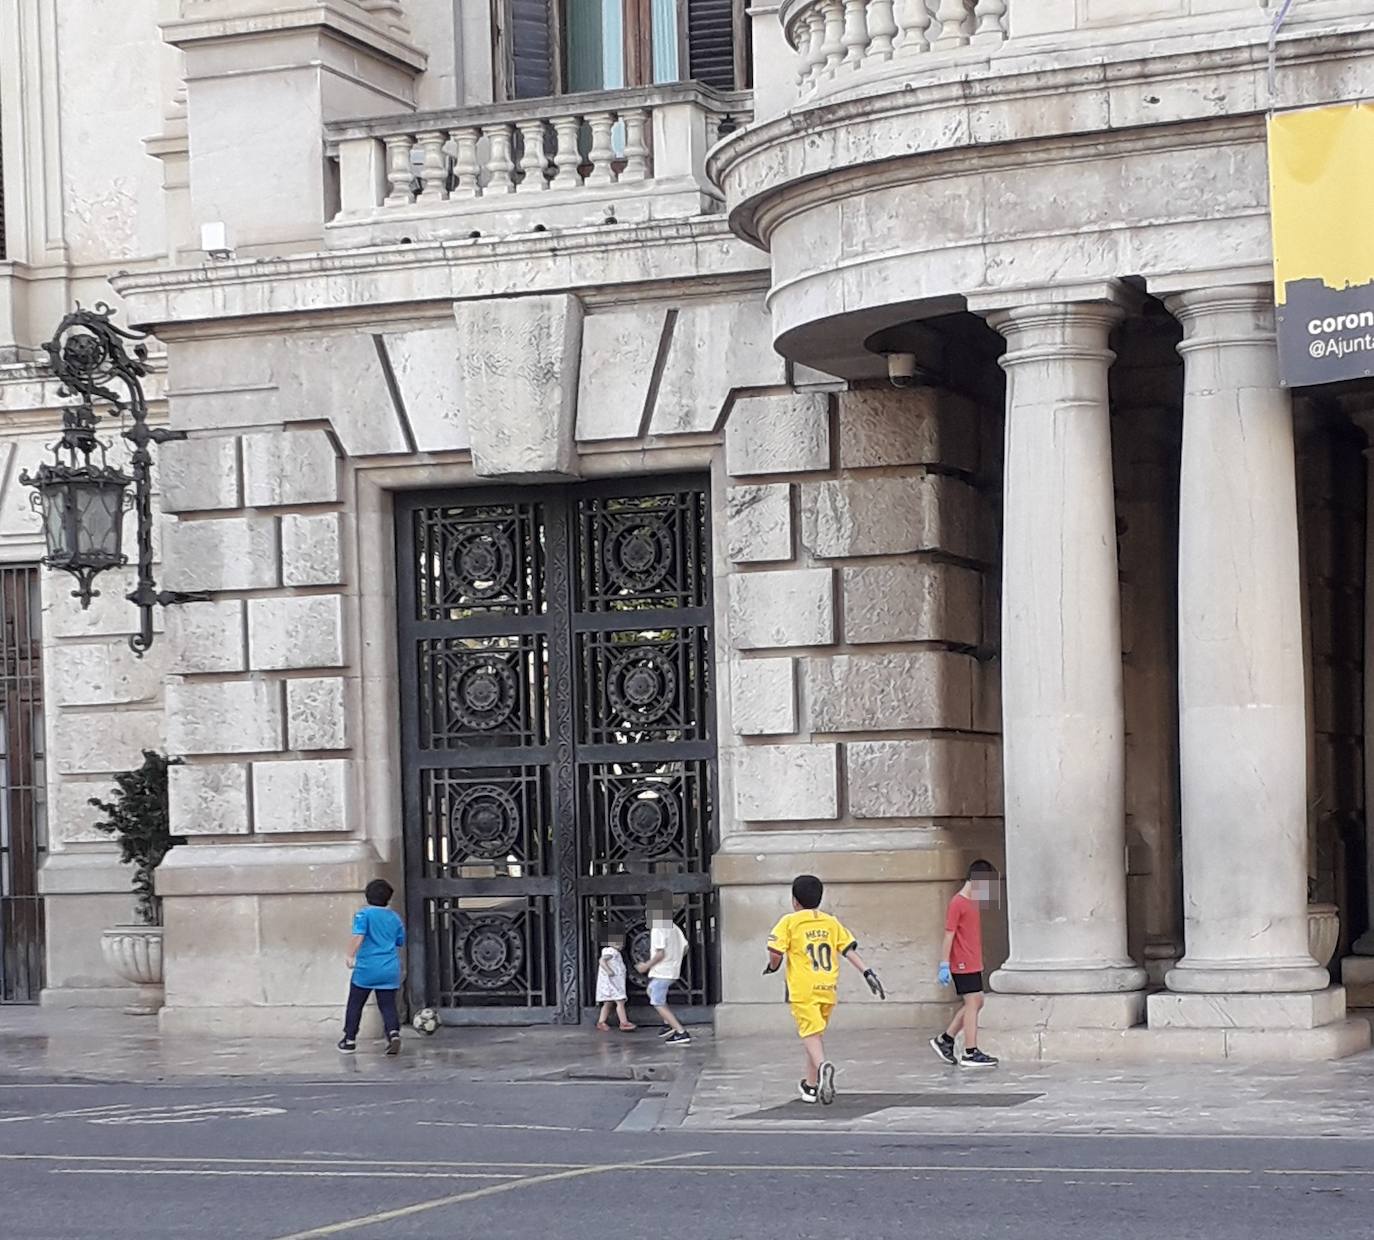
(557,727)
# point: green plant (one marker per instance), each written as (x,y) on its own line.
(137,816)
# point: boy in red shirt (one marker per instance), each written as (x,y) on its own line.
(961,960)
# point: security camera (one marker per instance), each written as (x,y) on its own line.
(901,370)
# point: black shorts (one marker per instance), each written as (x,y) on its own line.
(968,983)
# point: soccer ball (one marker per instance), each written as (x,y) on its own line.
(426,1020)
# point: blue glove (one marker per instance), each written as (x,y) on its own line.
(944,974)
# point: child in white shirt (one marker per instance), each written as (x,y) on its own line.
(610,985)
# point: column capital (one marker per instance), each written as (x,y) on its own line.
(1224,314)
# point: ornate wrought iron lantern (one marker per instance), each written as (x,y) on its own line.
(82,497)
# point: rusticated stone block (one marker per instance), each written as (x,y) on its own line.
(763,696)
(886,692)
(933,777)
(316,717)
(786,783)
(791,608)
(311,550)
(92,744)
(289,467)
(207,637)
(921,426)
(782,434)
(233,717)
(912,602)
(300,796)
(102,674)
(715,348)
(758,523)
(889,516)
(230,553)
(199,474)
(209,800)
(296,632)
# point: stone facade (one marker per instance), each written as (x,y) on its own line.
(1051,603)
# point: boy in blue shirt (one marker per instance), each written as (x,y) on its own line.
(374,957)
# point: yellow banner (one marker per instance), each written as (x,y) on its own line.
(1321,194)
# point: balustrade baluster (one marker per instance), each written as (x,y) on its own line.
(953,16)
(466,169)
(434,173)
(834,34)
(988,15)
(637,145)
(399,173)
(533,159)
(500,164)
(915,28)
(881,29)
(855,38)
(602,152)
(567,159)
(814,51)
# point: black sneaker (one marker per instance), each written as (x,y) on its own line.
(393,1043)
(665,1031)
(809,1093)
(976,1059)
(826,1088)
(347,1045)
(680,1038)
(944,1047)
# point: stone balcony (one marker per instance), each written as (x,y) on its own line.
(623,156)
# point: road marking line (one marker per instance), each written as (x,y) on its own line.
(283,1172)
(124,1159)
(492,1190)
(454,1123)
(323,1166)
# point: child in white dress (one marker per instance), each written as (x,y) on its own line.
(610,985)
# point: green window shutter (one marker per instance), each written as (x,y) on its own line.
(532,34)
(711,42)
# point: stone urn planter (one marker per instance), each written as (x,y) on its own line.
(1323,932)
(135,954)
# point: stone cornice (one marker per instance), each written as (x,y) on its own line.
(1019,100)
(347,20)
(597,262)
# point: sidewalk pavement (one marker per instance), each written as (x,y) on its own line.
(890,1081)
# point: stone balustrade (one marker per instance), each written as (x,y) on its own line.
(560,162)
(838,42)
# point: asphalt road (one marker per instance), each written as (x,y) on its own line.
(272,1159)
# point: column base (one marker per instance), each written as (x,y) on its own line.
(1247,977)
(1357,976)
(1151,1047)
(1268,1012)
(1114,977)
(1116,1010)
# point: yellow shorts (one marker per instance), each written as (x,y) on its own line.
(811,1017)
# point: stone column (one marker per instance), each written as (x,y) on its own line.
(1063,725)
(1242,726)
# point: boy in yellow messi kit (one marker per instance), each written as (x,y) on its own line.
(813,943)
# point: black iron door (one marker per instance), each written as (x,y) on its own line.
(21,777)
(558,733)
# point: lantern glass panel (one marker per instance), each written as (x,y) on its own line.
(100,520)
(56,526)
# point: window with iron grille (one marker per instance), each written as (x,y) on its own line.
(22,825)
